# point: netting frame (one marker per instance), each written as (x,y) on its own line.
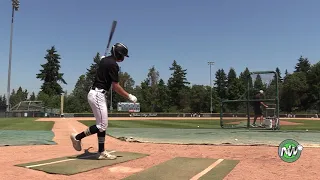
(33,106)
(249,100)
(37,104)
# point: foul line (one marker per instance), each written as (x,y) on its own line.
(207,169)
(74,130)
(54,162)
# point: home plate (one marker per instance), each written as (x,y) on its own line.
(123,169)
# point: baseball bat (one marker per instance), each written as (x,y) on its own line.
(113,28)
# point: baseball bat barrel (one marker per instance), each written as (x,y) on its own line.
(113,28)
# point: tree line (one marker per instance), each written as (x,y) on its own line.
(298,91)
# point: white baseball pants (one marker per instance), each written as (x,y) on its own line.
(98,104)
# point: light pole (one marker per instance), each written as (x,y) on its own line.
(15,7)
(211,108)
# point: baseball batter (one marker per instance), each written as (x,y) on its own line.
(107,74)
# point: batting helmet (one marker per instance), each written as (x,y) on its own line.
(119,51)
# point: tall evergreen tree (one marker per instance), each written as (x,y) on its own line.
(258,83)
(153,80)
(221,84)
(162,96)
(279,75)
(303,65)
(244,79)
(232,84)
(233,88)
(50,74)
(286,73)
(177,83)
(153,77)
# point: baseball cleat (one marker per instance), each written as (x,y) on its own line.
(76,143)
(253,125)
(106,155)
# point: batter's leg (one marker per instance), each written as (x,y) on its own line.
(76,138)
(99,107)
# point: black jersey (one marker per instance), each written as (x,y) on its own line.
(257,104)
(107,73)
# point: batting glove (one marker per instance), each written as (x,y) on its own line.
(132,98)
(102,57)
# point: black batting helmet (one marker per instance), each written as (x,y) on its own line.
(119,51)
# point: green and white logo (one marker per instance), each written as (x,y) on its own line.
(289,150)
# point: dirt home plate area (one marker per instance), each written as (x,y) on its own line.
(147,160)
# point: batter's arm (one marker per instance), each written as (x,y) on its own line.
(118,89)
(264,104)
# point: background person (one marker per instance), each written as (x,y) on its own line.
(257,109)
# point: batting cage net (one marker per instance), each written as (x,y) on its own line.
(241,112)
(33,106)
(28,106)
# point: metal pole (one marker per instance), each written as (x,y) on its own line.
(277,101)
(10,58)
(248,97)
(15,7)
(211,108)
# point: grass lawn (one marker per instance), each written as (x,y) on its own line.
(203,124)
(307,124)
(24,124)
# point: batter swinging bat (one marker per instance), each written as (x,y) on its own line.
(113,28)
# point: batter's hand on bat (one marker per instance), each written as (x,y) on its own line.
(132,98)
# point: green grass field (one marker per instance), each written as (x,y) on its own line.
(307,124)
(31,124)
(203,124)
(181,124)
(28,124)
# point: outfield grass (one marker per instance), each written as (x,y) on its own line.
(190,124)
(307,124)
(28,124)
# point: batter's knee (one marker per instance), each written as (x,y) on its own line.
(102,127)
